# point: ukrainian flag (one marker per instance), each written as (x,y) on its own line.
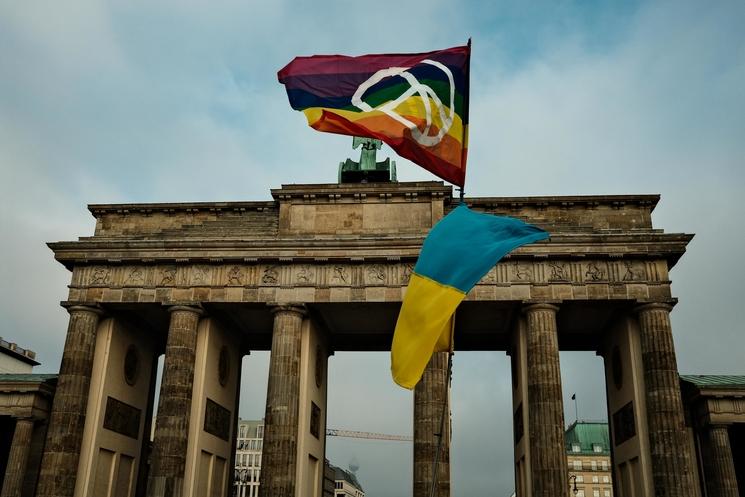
(458,252)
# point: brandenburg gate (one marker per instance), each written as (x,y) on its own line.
(322,268)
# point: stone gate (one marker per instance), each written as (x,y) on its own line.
(322,268)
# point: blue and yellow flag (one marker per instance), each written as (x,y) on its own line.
(456,254)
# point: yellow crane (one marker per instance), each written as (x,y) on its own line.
(332,432)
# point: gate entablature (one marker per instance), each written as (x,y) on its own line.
(602,247)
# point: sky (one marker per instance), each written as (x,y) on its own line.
(168,101)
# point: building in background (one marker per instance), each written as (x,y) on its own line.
(337,482)
(14,359)
(588,456)
(25,402)
(248,457)
(346,483)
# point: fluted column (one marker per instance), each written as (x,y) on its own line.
(15,471)
(279,459)
(430,397)
(549,472)
(672,474)
(166,478)
(59,464)
(723,479)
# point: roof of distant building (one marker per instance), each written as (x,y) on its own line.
(348,476)
(26,377)
(13,350)
(588,435)
(714,380)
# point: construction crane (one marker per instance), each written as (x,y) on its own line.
(331,432)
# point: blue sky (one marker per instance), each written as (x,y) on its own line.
(178,101)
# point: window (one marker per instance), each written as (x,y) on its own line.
(594,465)
(596,493)
(595,479)
(575,448)
(581,493)
(577,464)
(606,479)
(606,493)
(597,448)
(580,479)
(604,465)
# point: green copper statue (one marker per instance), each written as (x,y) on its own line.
(367,170)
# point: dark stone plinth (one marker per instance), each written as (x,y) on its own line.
(546,409)
(430,397)
(166,477)
(59,463)
(15,471)
(672,469)
(279,460)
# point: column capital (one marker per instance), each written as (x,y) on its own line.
(529,306)
(196,308)
(295,308)
(83,307)
(651,306)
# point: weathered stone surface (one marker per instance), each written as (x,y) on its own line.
(672,468)
(166,478)
(546,409)
(281,420)
(430,397)
(62,451)
(15,471)
(721,478)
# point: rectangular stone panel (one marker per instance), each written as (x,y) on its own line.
(217,420)
(624,427)
(122,418)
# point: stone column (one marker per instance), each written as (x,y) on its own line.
(672,474)
(429,399)
(279,459)
(723,478)
(166,478)
(59,464)
(15,471)
(549,471)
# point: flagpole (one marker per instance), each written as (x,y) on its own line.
(445,406)
(576,411)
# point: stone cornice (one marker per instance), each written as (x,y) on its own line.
(148,208)
(643,245)
(565,201)
(334,192)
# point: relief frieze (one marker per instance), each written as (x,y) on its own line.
(375,275)
(200,276)
(101,276)
(595,272)
(305,275)
(270,275)
(339,275)
(522,273)
(358,274)
(558,272)
(235,276)
(135,276)
(167,276)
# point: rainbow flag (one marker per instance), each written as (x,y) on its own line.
(416,103)
(456,254)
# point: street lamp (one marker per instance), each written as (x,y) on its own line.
(573,479)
